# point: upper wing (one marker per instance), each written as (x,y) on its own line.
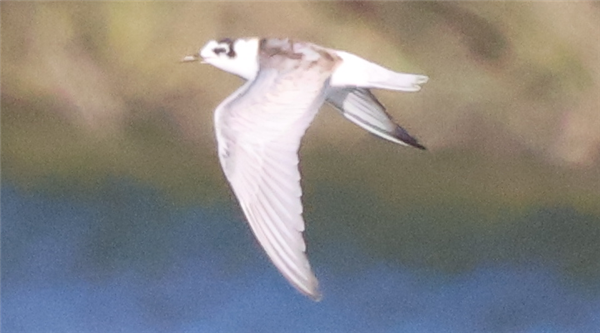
(361,107)
(259,129)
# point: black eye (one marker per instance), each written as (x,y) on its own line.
(219,50)
(228,50)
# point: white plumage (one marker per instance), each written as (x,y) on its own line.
(260,126)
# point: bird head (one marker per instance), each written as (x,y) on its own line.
(236,56)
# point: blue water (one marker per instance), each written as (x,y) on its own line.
(127,259)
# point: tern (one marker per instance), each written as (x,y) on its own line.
(260,126)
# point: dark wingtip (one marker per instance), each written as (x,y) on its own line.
(418,145)
(402,134)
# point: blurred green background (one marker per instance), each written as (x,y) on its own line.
(511,119)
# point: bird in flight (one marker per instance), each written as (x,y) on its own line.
(260,126)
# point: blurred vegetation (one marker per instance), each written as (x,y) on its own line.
(511,114)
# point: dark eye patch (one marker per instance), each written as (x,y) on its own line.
(230,52)
(219,50)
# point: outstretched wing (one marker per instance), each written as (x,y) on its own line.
(361,107)
(259,129)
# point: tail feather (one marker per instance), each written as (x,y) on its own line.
(358,72)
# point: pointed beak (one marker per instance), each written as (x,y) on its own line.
(191,58)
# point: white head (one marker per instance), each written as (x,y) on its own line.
(236,56)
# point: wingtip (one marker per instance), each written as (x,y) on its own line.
(312,290)
(402,135)
(317,297)
(418,145)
